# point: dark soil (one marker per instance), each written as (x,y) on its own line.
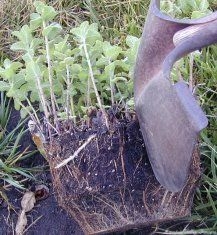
(109,187)
(47,217)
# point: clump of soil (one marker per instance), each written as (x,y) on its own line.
(110,186)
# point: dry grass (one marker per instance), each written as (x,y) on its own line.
(115,18)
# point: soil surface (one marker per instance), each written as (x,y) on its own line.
(47,217)
(119,179)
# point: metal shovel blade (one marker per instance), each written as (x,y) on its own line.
(169,130)
(169,116)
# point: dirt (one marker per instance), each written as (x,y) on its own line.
(47,217)
(108,188)
(96,172)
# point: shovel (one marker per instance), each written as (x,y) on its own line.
(169,116)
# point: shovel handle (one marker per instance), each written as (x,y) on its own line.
(188,40)
(158,52)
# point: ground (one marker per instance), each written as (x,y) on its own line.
(52,219)
(112,189)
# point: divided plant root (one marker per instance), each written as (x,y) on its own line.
(110,186)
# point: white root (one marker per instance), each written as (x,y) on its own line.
(67,160)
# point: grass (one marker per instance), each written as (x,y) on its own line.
(204,80)
(204,74)
(116,20)
(11,171)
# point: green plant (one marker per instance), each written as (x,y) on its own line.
(11,173)
(116,19)
(4,114)
(186,9)
(70,72)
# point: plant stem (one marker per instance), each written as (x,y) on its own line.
(34,112)
(53,99)
(111,75)
(69,99)
(67,91)
(33,117)
(94,84)
(41,93)
(88,92)
(191,80)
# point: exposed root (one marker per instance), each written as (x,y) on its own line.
(111,187)
(66,161)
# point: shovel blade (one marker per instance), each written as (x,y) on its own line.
(170,124)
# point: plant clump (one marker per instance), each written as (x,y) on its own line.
(109,186)
(77,89)
(66,74)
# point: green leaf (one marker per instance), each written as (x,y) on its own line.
(63,49)
(16,104)
(122,64)
(68,61)
(59,55)
(18,80)
(130,102)
(39,6)
(193,4)
(86,33)
(24,35)
(197,14)
(18,46)
(23,114)
(36,21)
(81,31)
(109,69)
(28,57)
(132,41)
(13,182)
(131,53)
(203,5)
(75,69)
(111,52)
(117,79)
(35,43)
(4,86)
(23,172)
(52,30)
(34,96)
(46,12)
(9,69)
(93,35)
(8,64)
(102,62)
(33,69)
(83,75)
